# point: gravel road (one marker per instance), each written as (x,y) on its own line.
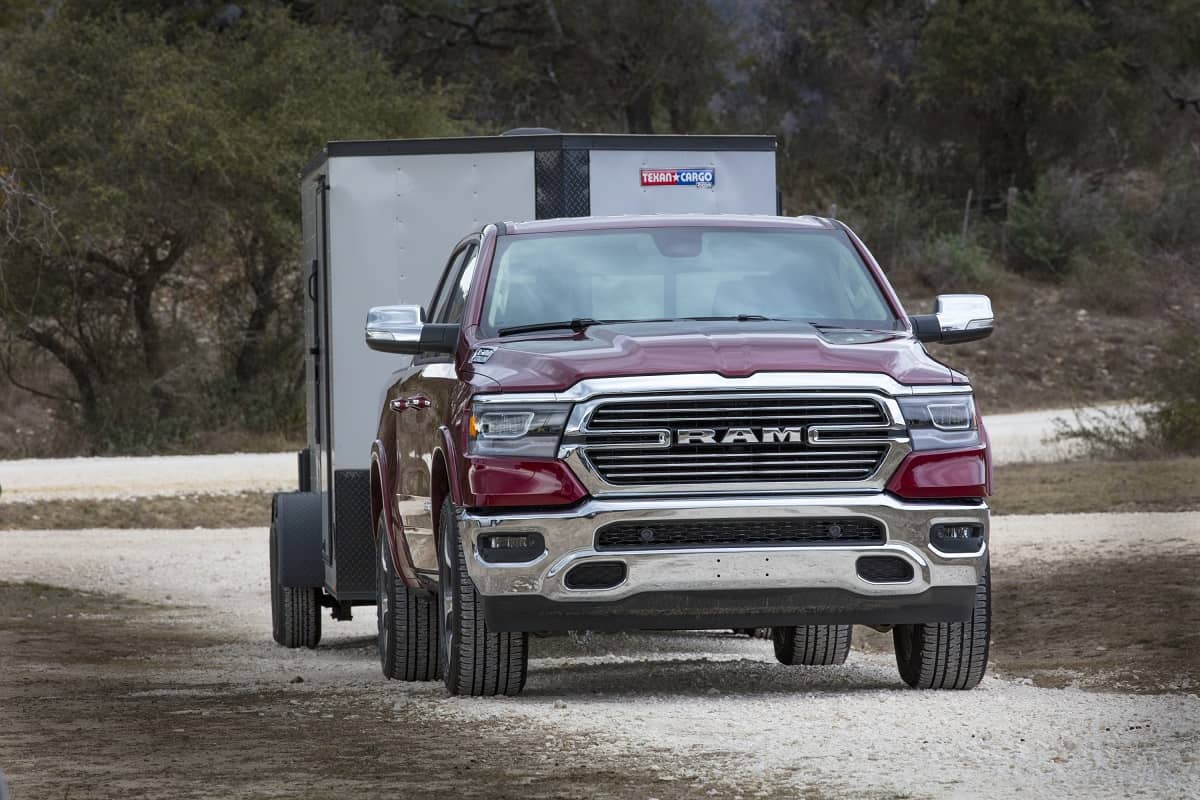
(1015,437)
(71,478)
(1030,435)
(680,715)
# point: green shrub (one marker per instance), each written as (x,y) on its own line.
(1110,275)
(1173,222)
(949,264)
(1067,211)
(889,217)
(1109,432)
(1175,380)
(1171,424)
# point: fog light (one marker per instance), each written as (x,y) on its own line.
(508,542)
(959,537)
(510,548)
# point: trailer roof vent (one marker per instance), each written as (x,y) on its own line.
(530,132)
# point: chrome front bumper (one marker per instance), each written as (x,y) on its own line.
(731,572)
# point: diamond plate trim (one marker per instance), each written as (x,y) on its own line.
(354,541)
(562,183)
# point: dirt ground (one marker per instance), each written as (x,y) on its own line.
(101,698)
(166,686)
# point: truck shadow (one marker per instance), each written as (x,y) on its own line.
(671,663)
(701,677)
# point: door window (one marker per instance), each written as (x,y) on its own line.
(460,285)
(453,267)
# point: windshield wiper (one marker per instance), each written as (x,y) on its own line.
(578,324)
(736,318)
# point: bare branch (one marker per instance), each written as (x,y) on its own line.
(111,264)
(6,368)
(1182,103)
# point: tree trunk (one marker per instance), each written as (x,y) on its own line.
(147,326)
(261,281)
(1005,149)
(89,406)
(638,113)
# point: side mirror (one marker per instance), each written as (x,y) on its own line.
(955,318)
(403,329)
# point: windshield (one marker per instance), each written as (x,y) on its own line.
(675,273)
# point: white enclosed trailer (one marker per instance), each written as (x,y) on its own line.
(379,221)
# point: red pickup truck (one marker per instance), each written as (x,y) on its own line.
(676,422)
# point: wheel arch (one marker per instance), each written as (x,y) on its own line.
(444,483)
(379,473)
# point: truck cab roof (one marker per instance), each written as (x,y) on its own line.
(562,224)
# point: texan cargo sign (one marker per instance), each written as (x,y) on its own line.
(705,177)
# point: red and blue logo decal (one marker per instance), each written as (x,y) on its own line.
(687,176)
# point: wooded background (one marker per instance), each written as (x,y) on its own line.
(149,150)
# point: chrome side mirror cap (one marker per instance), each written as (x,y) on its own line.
(955,318)
(403,329)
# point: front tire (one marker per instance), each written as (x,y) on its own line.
(812,645)
(407,620)
(478,662)
(947,655)
(295,611)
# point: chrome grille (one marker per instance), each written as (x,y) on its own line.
(724,413)
(736,439)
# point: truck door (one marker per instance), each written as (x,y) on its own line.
(422,402)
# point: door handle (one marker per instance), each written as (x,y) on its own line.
(415,401)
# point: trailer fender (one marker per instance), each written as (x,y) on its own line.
(297,520)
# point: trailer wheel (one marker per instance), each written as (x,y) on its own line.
(295,611)
(477,662)
(408,621)
(812,645)
(947,655)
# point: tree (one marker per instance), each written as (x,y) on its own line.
(636,66)
(151,173)
(1016,81)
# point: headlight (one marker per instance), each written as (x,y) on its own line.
(533,430)
(941,422)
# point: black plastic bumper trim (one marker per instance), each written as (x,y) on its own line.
(729,609)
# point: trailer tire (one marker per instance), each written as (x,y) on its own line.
(295,611)
(408,621)
(812,645)
(947,655)
(476,661)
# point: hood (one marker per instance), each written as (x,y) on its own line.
(556,361)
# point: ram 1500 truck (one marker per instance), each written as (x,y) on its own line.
(676,422)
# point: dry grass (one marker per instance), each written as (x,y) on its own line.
(1163,484)
(247,509)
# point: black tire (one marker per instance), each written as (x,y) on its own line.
(295,611)
(407,620)
(812,645)
(477,661)
(947,655)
